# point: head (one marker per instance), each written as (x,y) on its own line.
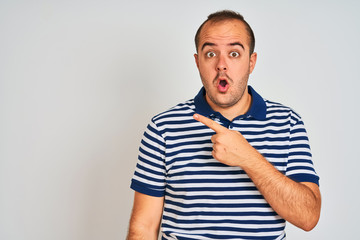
(223,16)
(225,58)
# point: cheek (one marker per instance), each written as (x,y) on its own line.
(240,67)
(206,68)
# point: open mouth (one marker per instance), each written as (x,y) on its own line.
(223,85)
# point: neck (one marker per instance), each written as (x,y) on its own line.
(240,108)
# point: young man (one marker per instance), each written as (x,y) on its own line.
(227,164)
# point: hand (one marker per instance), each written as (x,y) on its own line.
(230,147)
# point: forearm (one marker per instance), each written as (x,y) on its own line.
(295,202)
(139,232)
(145,217)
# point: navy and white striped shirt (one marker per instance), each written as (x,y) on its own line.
(205,199)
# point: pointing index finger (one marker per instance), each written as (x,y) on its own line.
(210,123)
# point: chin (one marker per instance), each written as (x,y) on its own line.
(224,103)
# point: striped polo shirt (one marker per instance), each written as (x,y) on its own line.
(205,199)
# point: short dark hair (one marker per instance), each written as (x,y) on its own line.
(223,16)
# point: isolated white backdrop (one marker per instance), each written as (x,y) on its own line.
(79,81)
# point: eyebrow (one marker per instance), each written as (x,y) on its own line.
(230,44)
(237,44)
(207,44)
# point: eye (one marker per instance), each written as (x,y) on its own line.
(210,54)
(234,54)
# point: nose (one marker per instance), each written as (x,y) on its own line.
(221,64)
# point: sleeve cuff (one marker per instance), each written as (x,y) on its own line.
(141,188)
(305,178)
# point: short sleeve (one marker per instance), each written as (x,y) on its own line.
(150,173)
(300,167)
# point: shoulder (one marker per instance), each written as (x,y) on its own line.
(275,109)
(179,111)
(175,119)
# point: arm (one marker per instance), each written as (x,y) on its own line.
(298,203)
(145,217)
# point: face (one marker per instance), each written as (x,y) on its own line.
(224,62)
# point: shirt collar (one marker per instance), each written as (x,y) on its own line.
(257,109)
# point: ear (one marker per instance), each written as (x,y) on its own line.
(196,60)
(253,59)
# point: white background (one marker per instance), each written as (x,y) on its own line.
(79,81)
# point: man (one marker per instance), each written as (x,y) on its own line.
(227,164)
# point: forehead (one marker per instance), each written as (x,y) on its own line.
(224,32)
